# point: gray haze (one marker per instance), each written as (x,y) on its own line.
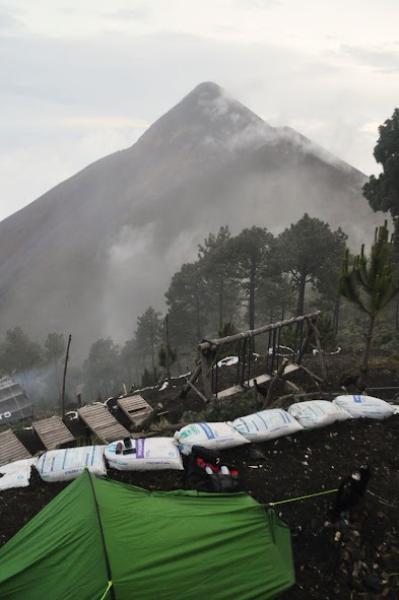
(96,250)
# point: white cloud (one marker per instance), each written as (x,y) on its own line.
(76,84)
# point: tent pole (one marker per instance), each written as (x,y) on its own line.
(100,525)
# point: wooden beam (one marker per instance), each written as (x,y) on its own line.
(196,390)
(213,344)
(193,378)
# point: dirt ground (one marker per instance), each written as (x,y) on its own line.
(361,562)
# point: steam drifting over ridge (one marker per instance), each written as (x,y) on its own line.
(96,250)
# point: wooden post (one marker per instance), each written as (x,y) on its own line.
(206,373)
(273,382)
(305,342)
(64,376)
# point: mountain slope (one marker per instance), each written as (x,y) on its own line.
(90,255)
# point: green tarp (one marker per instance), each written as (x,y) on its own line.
(178,545)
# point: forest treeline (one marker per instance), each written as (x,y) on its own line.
(239,282)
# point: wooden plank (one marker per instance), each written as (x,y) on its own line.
(100,421)
(11,448)
(237,389)
(231,391)
(136,409)
(52,432)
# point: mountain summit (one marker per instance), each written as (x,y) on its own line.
(93,252)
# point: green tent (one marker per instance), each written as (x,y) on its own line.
(101,539)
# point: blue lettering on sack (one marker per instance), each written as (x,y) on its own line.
(208,431)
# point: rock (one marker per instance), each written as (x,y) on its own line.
(256,453)
(372,582)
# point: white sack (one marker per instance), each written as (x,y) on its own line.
(266,425)
(317,413)
(63,465)
(228,361)
(16,474)
(146,454)
(214,436)
(365,406)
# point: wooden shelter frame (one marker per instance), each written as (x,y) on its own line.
(209,352)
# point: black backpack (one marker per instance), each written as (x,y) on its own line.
(205,472)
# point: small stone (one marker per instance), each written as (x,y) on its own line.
(372,582)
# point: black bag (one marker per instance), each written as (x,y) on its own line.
(203,472)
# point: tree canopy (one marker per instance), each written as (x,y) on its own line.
(382,191)
(370,282)
(307,251)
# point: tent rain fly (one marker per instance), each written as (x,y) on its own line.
(165,545)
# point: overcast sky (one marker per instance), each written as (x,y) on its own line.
(81,79)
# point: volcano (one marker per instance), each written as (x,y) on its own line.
(93,252)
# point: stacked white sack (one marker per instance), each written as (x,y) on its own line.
(215,436)
(63,465)
(317,413)
(266,425)
(365,406)
(16,474)
(145,454)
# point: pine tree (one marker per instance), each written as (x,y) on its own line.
(370,283)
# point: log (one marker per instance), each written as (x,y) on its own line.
(196,390)
(212,344)
(193,378)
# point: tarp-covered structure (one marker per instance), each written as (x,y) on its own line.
(101,539)
(14,403)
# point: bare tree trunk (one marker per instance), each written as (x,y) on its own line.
(64,376)
(282,311)
(397,316)
(197,314)
(369,339)
(301,295)
(252,287)
(221,304)
(337,309)
(167,361)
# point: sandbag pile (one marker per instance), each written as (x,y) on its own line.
(156,453)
